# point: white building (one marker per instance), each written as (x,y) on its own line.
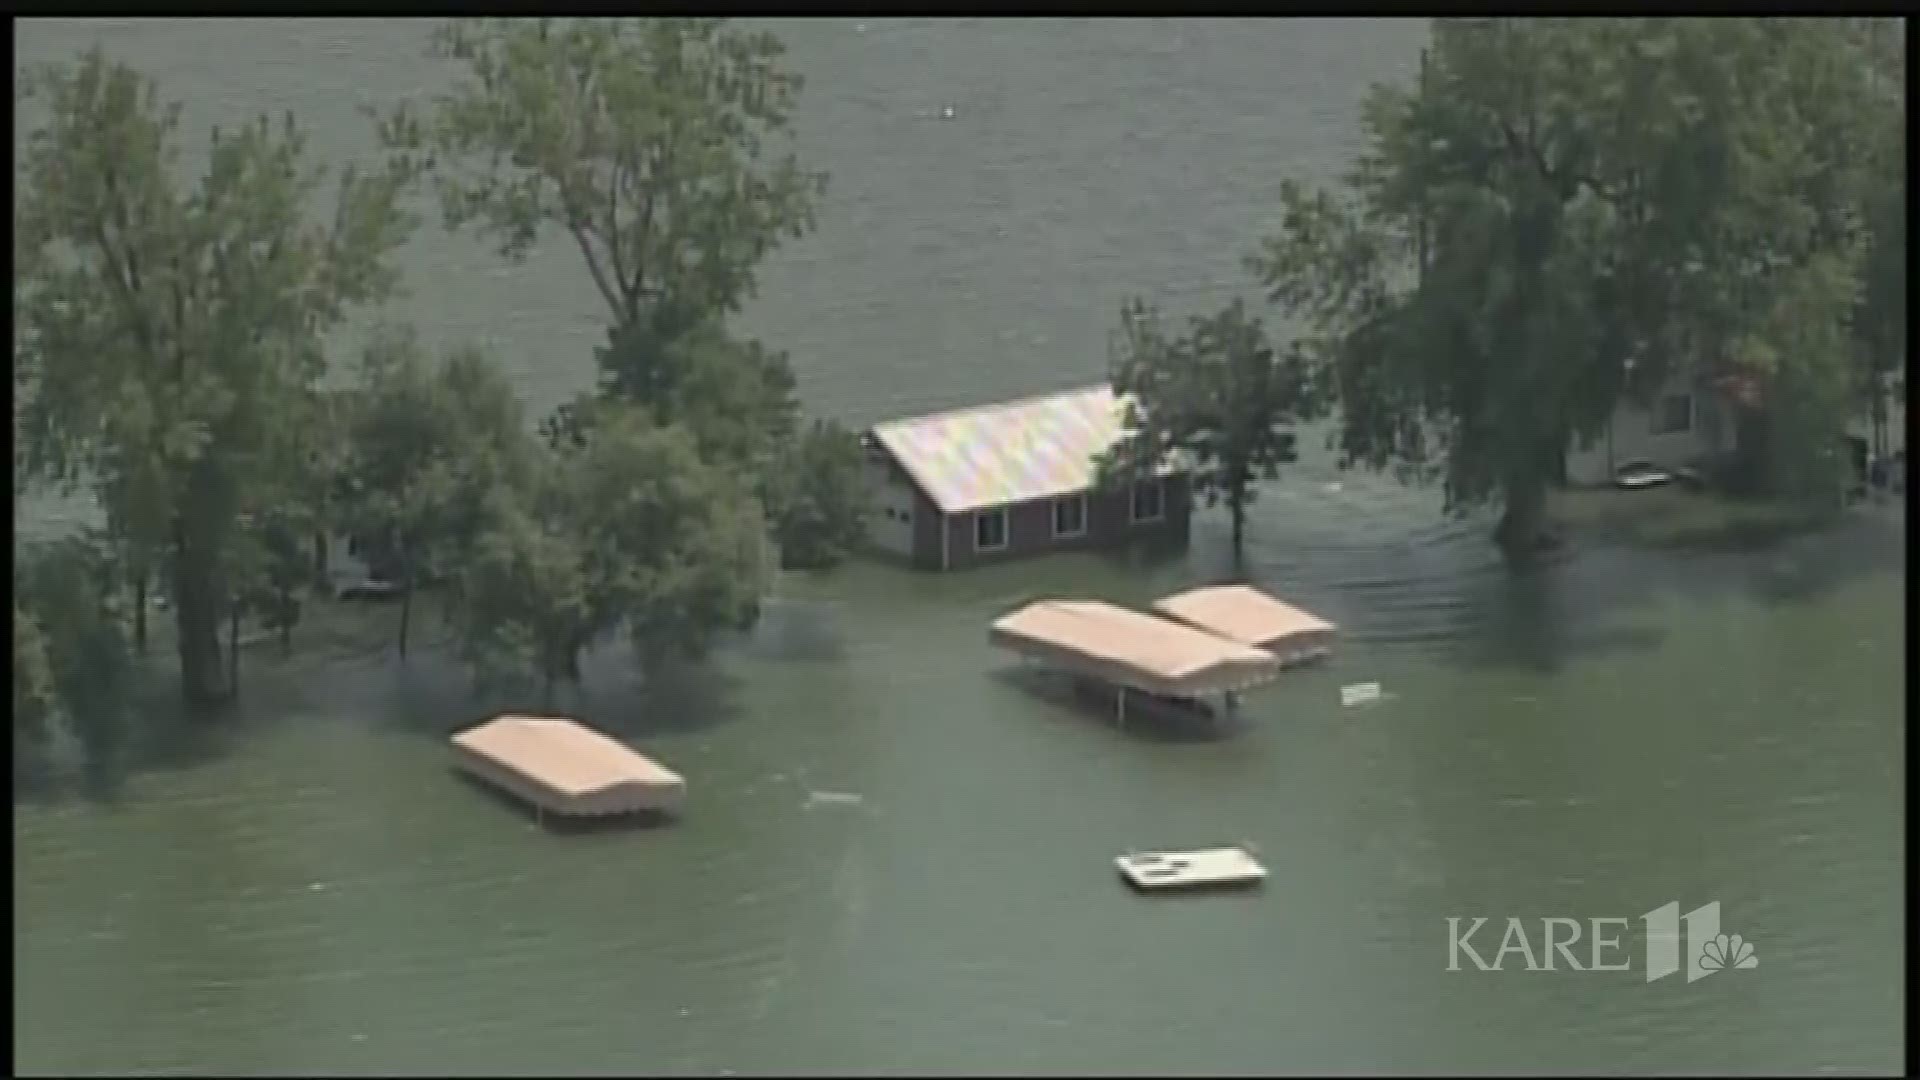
(1684,424)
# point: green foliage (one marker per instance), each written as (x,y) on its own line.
(1220,397)
(645,140)
(36,704)
(624,526)
(649,142)
(424,445)
(74,667)
(1561,213)
(173,333)
(819,498)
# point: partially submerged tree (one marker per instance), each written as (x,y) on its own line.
(175,330)
(423,444)
(625,528)
(1219,396)
(649,143)
(36,704)
(74,665)
(1559,215)
(818,499)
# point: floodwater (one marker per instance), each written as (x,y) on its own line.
(1626,729)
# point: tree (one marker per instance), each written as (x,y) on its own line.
(74,665)
(819,499)
(642,139)
(423,443)
(36,704)
(176,330)
(1880,320)
(625,527)
(646,141)
(1556,217)
(1219,396)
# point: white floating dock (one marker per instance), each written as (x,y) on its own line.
(1207,868)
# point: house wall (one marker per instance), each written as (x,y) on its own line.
(891,507)
(342,562)
(1030,527)
(1631,435)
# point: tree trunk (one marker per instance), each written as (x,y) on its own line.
(140,611)
(196,616)
(320,557)
(406,611)
(233,650)
(1523,532)
(1239,512)
(287,619)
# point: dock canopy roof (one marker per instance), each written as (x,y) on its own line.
(1244,614)
(1010,452)
(565,767)
(1128,648)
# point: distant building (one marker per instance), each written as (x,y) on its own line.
(994,482)
(1694,419)
(1686,424)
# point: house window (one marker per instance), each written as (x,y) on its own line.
(1069,516)
(1149,501)
(1675,416)
(990,530)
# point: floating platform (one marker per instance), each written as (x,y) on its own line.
(563,767)
(1207,868)
(1243,614)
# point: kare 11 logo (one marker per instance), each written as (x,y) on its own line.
(1702,946)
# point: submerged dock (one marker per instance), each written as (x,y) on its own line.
(1138,655)
(563,767)
(1248,616)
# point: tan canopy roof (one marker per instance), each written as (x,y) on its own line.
(1244,614)
(1131,649)
(566,767)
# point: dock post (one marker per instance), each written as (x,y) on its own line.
(1123,708)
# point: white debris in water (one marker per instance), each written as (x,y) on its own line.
(1333,487)
(1360,693)
(832,798)
(946,112)
(859,28)
(684,1011)
(359,1037)
(316,886)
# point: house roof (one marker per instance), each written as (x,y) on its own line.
(1008,452)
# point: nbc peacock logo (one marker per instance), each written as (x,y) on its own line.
(1708,951)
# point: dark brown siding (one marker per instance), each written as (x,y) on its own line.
(1030,527)
(926,531)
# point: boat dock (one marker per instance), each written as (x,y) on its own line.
(1134,653)
(563,767)
(1245,614)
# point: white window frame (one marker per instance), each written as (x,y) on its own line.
(1157,485)
(1660,415)
(982,515)
(1070,500)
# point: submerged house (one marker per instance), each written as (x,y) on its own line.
(1695,420)
(1688,423)
(993,482)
